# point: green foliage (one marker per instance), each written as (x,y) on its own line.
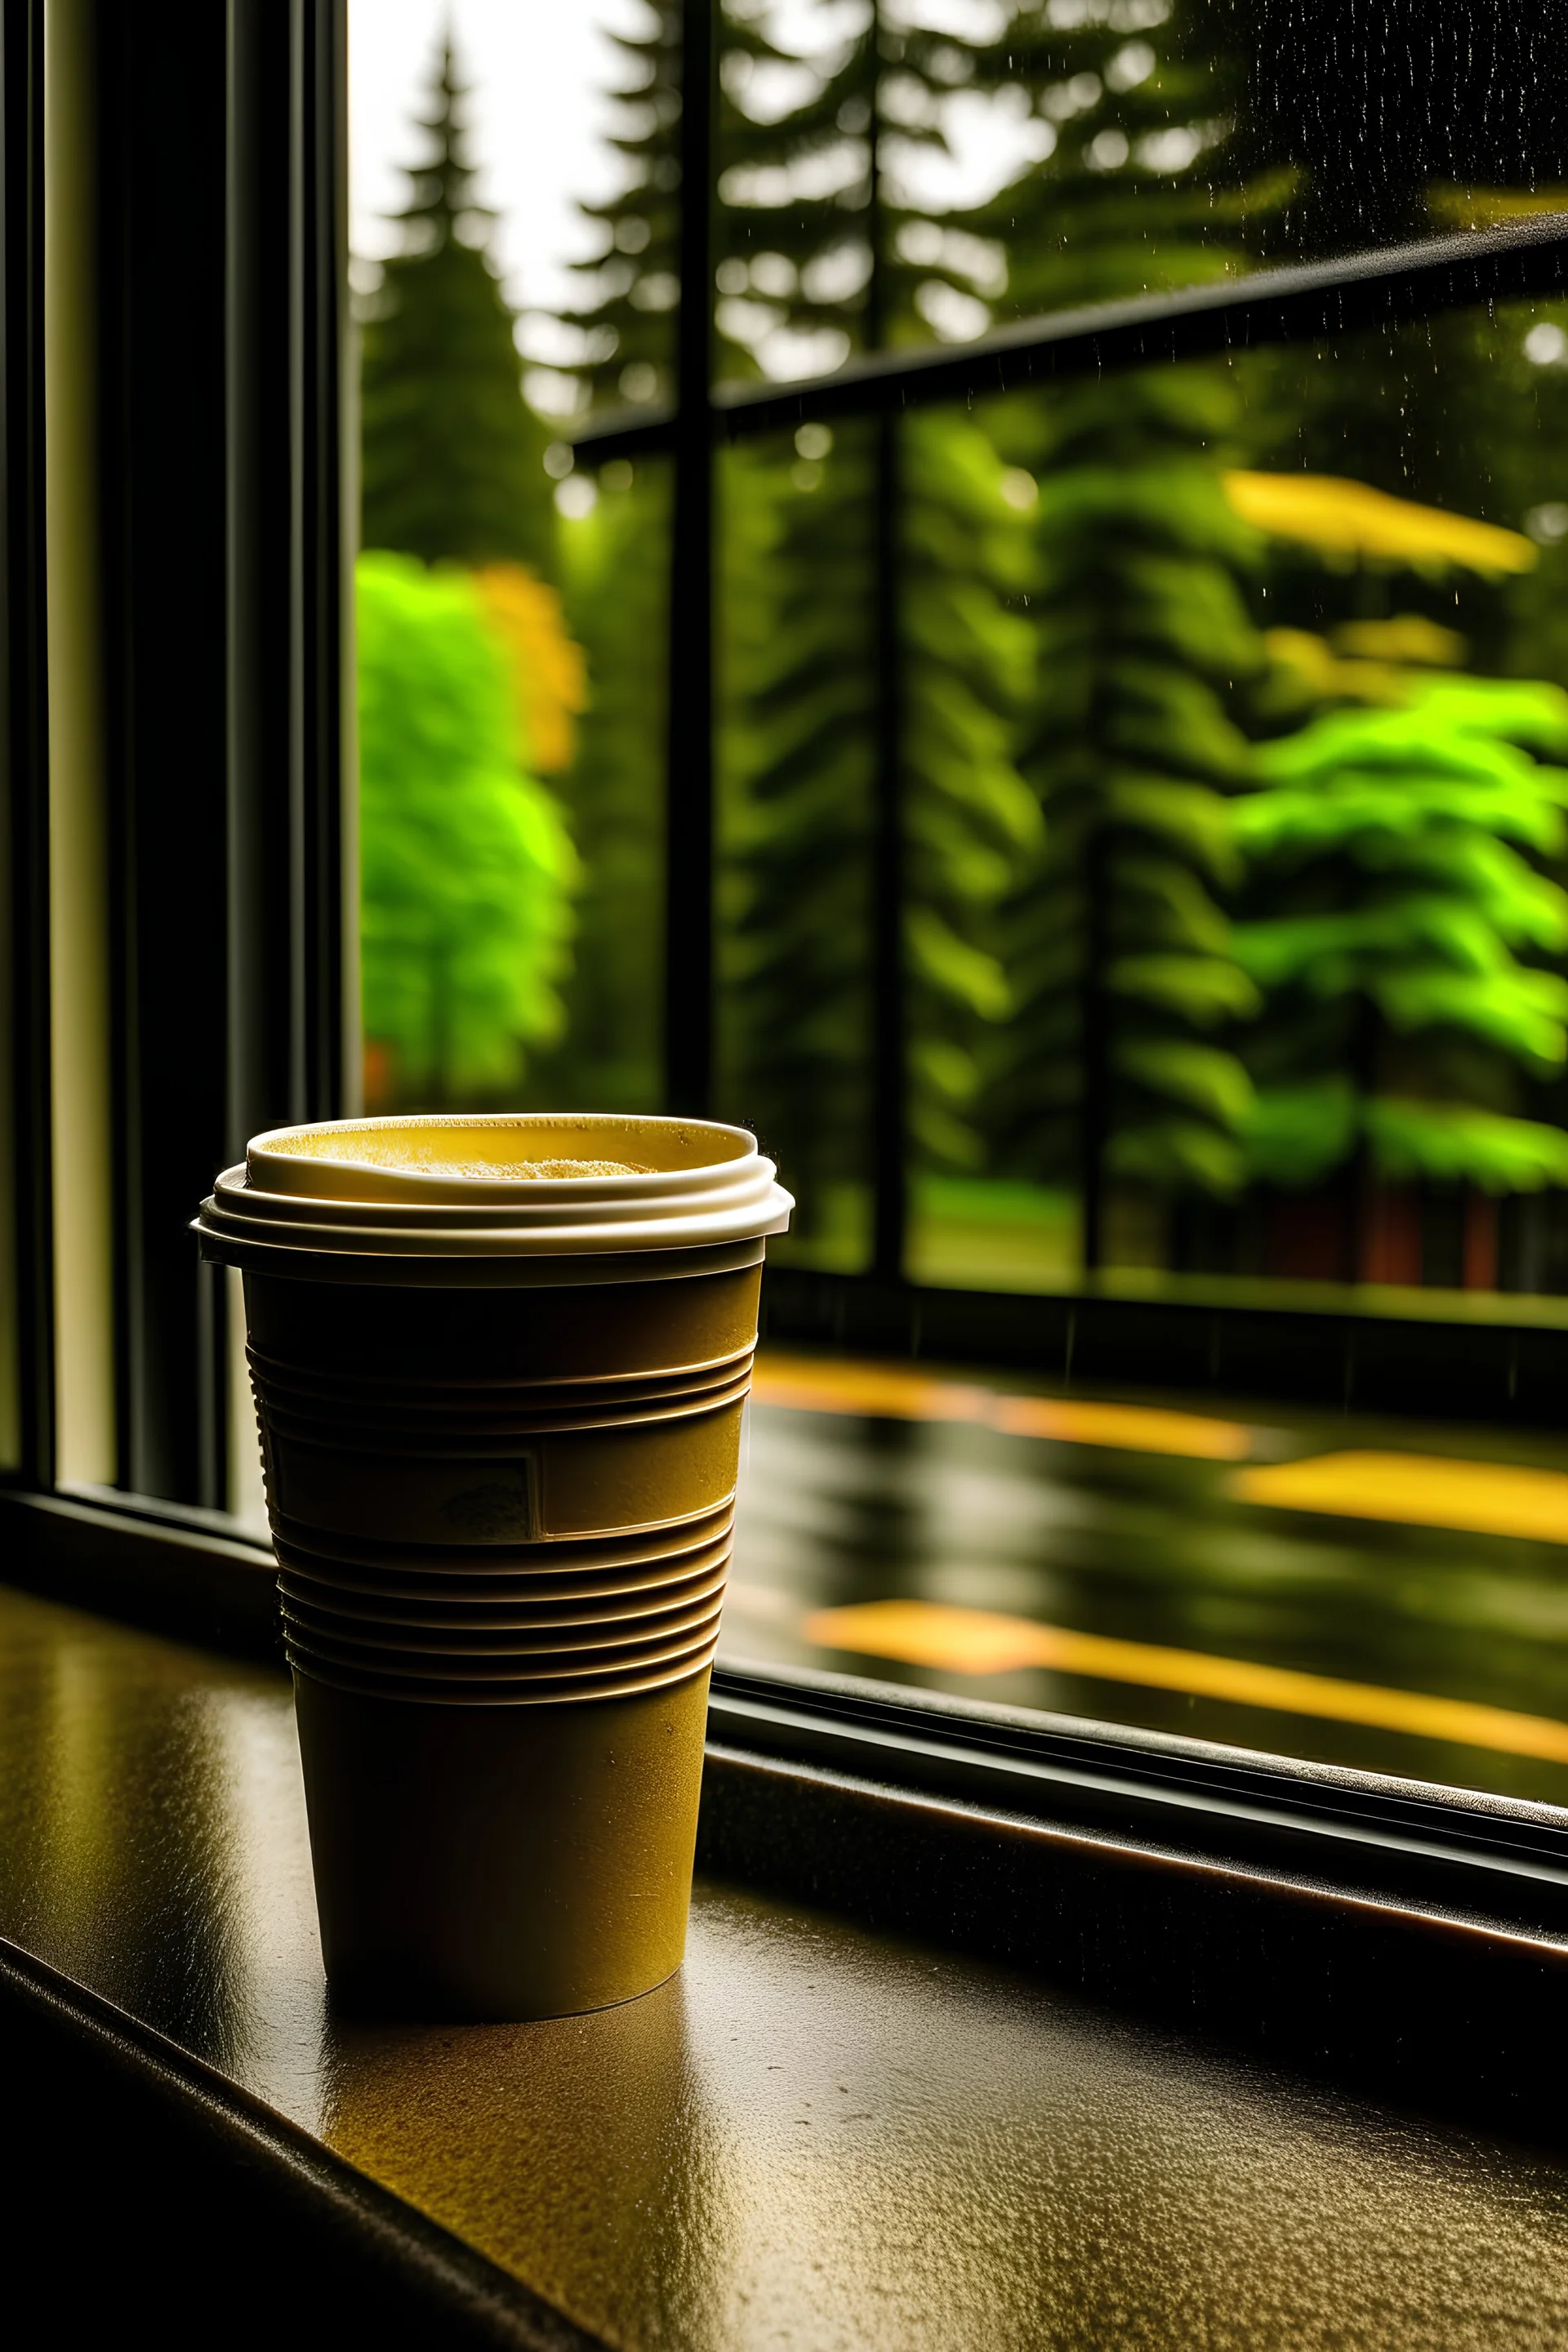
(971,821)
(452,457)
(1134,749)
(1144,187)
(616,577)
(796,814)
(1119,1061)
(799,839)
(632,287)
(804,698)
(1445,1142)
(465,866)
(1392,851)
(843,254)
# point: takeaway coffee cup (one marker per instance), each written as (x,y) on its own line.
(499,1365)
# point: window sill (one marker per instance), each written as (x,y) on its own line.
(818,2132)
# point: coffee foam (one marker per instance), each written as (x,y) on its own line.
(405,1155)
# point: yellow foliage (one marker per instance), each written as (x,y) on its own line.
(1407,637)
(1361,661)
(1492,207)
(1316,671)
(548,670)
(1351,522)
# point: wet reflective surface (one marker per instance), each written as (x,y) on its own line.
(813,2136)
(924,1498)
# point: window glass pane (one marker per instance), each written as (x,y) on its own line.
(1280,977)
(1400,843)
(1278,981)
(511,609)
(1223,710)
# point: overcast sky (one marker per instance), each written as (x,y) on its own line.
(539,69)
(538,117)
(540,124)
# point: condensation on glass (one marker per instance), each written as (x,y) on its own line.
(924,170)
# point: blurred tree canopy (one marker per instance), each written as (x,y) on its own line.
(1395,846)
(467,870)
(1119,1064)
(615,581)
(830,271)
(452,458)
(1190,904)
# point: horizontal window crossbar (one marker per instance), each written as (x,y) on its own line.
(1388,287)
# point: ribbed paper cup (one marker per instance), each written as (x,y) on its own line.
(501,1570)
(601,1644)
(442,1612)
(500,1366)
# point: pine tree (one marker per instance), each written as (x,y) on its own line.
(632,287)
(796,808)
(616,578)
(800,825)
(1141,184)
(452,457)
(796,531)
(1118,1070)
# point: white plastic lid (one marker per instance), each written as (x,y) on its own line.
(439,1185)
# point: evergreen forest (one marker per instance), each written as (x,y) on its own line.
(1229,704)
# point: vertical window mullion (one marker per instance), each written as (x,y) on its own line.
(326,1079)
(689,824)
(889,1008)
(890,980)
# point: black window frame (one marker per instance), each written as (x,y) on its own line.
(219,223)
(269,457)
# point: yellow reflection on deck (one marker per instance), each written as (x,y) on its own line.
(892,1393)
(979,1641)
(1490,1498)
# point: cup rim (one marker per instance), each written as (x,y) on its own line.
(729,1148)
(709,1185)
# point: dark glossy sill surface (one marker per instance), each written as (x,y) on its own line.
(814,2135)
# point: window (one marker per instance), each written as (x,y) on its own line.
(1041,692)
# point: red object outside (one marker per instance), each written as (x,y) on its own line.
(1481,1242)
